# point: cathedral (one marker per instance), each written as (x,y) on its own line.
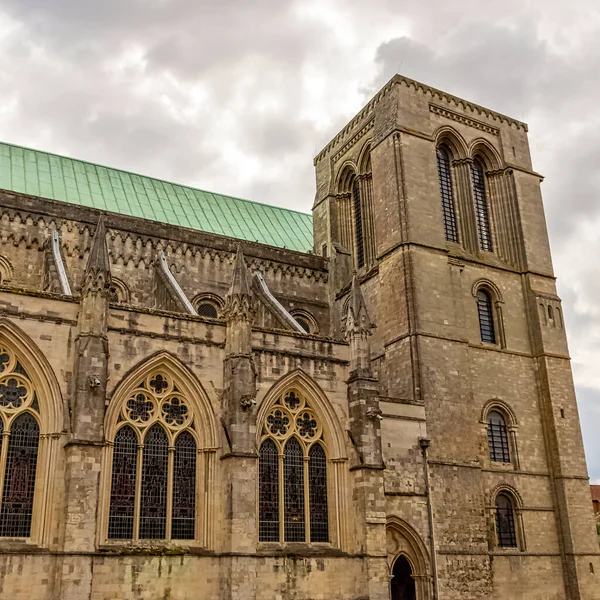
(207,398)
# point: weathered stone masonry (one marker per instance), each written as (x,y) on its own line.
(421,442)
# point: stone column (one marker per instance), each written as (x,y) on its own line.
(240,462)
(365,432)
(87,403)
(466,210)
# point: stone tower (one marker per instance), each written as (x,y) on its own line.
(434,202)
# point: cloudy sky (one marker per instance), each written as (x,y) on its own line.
(239,98)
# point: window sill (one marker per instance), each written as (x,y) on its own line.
(150,547)
(298,549)
(8,544)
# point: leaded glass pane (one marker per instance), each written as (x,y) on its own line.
(294,492)
(19,478)
(445,177)
(122,494)
(184,488)
(486,317)
(207,309)
(498,438)
(358,224)
(268,493)
(155,470)
(317,476)
(481,206)
(505,522)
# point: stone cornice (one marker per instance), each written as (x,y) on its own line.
(449,114)
(365,113)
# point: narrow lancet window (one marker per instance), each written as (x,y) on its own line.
(184,487)
(122,494)
(358,224)
(19,477)
(444,165)
(498,438)
(317,473)
(505,522)
(293,476)
(486,317)
(481,206)
(268,492)
(155,465)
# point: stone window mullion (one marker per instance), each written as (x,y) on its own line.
(466,204)
(306,497)
(138,493)
(281,492)
(170,478)
(3,456)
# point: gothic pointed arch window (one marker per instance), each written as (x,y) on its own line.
(444,165)
(19,446)
(484,232)
(153,480)
(293,503)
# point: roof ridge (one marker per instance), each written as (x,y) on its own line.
(198,189)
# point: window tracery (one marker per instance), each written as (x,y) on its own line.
(293,504)
(19,445)
(154,459)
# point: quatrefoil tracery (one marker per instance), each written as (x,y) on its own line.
(16,391)
(291,415)
(157,399)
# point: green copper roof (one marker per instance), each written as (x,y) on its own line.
(68,180)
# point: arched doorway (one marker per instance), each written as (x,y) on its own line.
(408,562)
(402,585)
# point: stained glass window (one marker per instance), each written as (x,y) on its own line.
(317,474)
(505,522)
(18,462)
(184,487)
(19,477)
(486,317)
(155,466)
(291,459)
(158,501)
(358,223)
(481,206)
(268,529)
(498,437)
(122,494)
(293,476)
(445,176)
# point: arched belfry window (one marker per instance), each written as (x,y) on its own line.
(444,164)
(154,464)
(484,232)
(19,444)
(293,504)
(485,310)
(506,531)
(497,432)
(358,223)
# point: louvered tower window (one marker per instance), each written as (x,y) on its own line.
(486,317)
(151,496)
(444,165)
(481,206)
(505,522)
(498,437)
(293,504)
(19,445)
(358,224)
